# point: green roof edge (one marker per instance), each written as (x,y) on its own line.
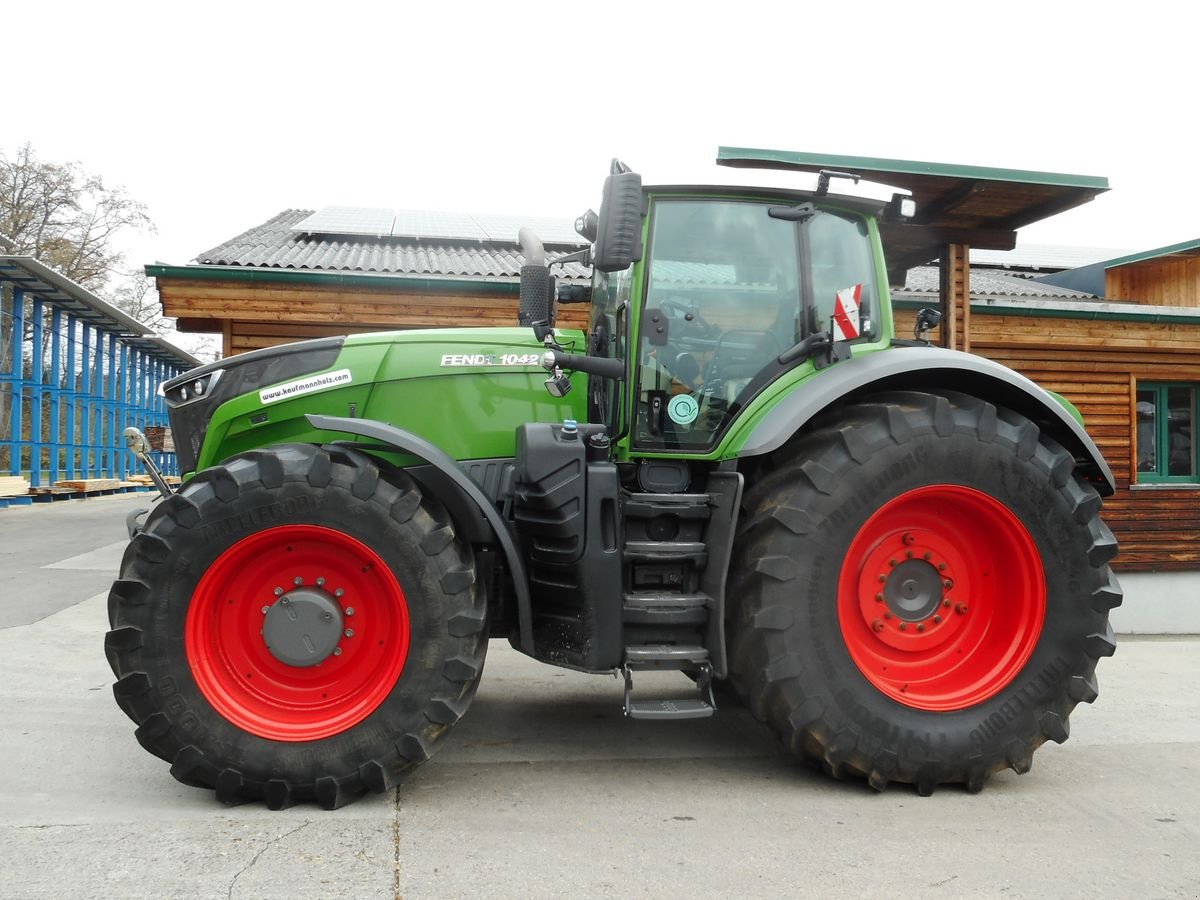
(787,159)
(348,279)
(1193,244)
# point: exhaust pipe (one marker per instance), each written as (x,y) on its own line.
(536,284)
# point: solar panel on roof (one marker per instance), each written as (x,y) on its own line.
(445,225)
(506,228)
(412,223)
(375,221)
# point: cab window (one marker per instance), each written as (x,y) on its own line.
(725,295)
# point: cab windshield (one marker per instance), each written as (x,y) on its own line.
(728,290)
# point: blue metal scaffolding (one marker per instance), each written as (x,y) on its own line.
(74,373)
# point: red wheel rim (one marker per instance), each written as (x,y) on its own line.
(241,677)
(942,597)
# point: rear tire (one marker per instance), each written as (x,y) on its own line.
(377,567)
(922,592)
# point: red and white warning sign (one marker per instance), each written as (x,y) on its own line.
(845,313)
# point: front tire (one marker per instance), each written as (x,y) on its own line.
(922,592)
(293,626)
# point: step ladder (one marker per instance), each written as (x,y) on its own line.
(666,657)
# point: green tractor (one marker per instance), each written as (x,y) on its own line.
(891,552)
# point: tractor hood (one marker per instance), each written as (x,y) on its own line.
(464,389)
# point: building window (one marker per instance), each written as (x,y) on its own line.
(1166,433)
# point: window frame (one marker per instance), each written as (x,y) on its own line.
(1162,434)
(639,444)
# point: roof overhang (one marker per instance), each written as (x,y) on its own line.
(974,205)
(40,280)
(1185,250)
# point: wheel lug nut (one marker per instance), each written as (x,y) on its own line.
(349,610)
(879,598)
(909,554)
(921,627)
(941,567)
(887,615)
(960,608)
(877,626)
(946,603)
(337,651)
(883,578)
(266,609)
(321,582)
(338,592)
(937,620)
(928,556)
(904,626)
(948,583)
(297,581)
(892,562)
(349,632)
(278,591)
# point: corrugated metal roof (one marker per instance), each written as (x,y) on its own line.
(276,244)
(924,280)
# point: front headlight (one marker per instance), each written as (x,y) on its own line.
(192,389)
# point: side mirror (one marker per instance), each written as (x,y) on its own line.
(619,231)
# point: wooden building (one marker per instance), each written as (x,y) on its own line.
(295,277)
(1124,349)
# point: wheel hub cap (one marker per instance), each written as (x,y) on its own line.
(913,591)
(297,632)
(303,627)
(941,597)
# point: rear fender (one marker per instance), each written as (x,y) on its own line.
(468,492)
(927,368)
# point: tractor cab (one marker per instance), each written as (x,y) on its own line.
(708,296)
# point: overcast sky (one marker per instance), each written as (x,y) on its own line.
(219,115)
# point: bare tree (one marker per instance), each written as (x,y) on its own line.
(68,219)
(65,217)
(137,297)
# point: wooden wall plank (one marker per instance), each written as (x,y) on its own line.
(1167,281)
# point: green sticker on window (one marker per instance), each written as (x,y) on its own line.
(683,409)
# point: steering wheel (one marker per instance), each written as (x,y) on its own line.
(678,311)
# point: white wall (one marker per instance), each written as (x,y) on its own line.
(1158,603)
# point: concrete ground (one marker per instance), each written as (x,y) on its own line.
(544,790)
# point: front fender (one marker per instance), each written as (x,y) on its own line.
(413,445)
(925,368)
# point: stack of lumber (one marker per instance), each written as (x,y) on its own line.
(13,486)
(160,438)
(90,484)
(146,479)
